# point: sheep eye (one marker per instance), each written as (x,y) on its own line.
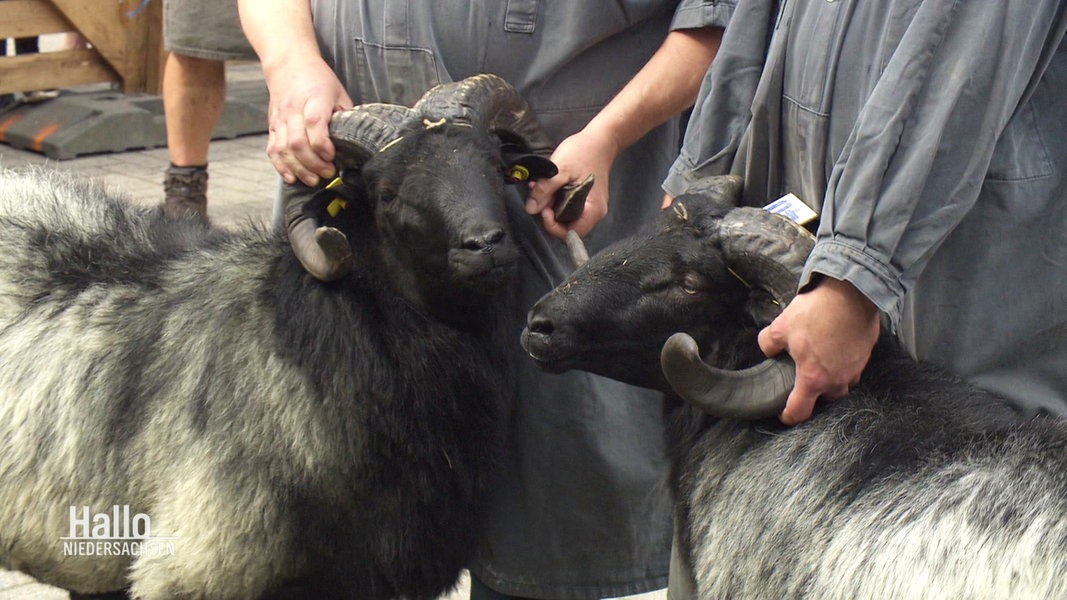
(690,285)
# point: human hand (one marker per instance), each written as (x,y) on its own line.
(829,331)
(303,96)
(577,157)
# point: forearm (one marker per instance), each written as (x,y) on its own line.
(664,87)
(304,90)
(281,33)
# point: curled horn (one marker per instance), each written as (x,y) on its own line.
(357,134)
(725,188)
(767,252)
(488,102)
(361,132)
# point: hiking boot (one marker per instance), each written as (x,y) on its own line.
(186,193)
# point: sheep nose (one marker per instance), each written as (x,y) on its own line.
(483,242)
(540,325)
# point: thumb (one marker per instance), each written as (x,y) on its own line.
(798,407)
(541,194)
(770,342)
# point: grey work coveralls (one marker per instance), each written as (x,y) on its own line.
(932,136)
(583,510)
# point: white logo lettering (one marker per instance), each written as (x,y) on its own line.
(118,532)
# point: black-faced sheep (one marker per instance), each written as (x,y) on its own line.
(288,438)
(916,485)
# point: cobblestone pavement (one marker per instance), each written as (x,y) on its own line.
(241,180)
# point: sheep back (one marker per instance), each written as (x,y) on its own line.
(916,484)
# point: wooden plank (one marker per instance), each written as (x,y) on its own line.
(53,70)
(28,18)
(104,23)
(155,54)
(144,50)
(125,34)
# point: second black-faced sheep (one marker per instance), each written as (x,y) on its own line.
(916,485)
(274,436)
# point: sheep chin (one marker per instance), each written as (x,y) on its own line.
(482,271)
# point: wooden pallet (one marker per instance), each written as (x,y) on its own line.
(125,38)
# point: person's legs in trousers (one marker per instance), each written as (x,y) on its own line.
(194,92)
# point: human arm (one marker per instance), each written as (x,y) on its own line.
(664,87)
(912,168)
(304,91)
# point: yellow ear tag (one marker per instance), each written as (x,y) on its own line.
(337,204)
(518,173)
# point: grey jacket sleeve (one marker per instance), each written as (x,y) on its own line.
(722,110)
(692,14)
(915,161)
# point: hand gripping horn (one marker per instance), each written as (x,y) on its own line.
(357,134)
(767,252)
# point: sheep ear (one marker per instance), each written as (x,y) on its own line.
(761,307)
(522,166)
(337,201)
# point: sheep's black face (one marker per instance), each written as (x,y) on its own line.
(438,203)
(612,316)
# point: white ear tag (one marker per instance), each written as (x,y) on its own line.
(792,208)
